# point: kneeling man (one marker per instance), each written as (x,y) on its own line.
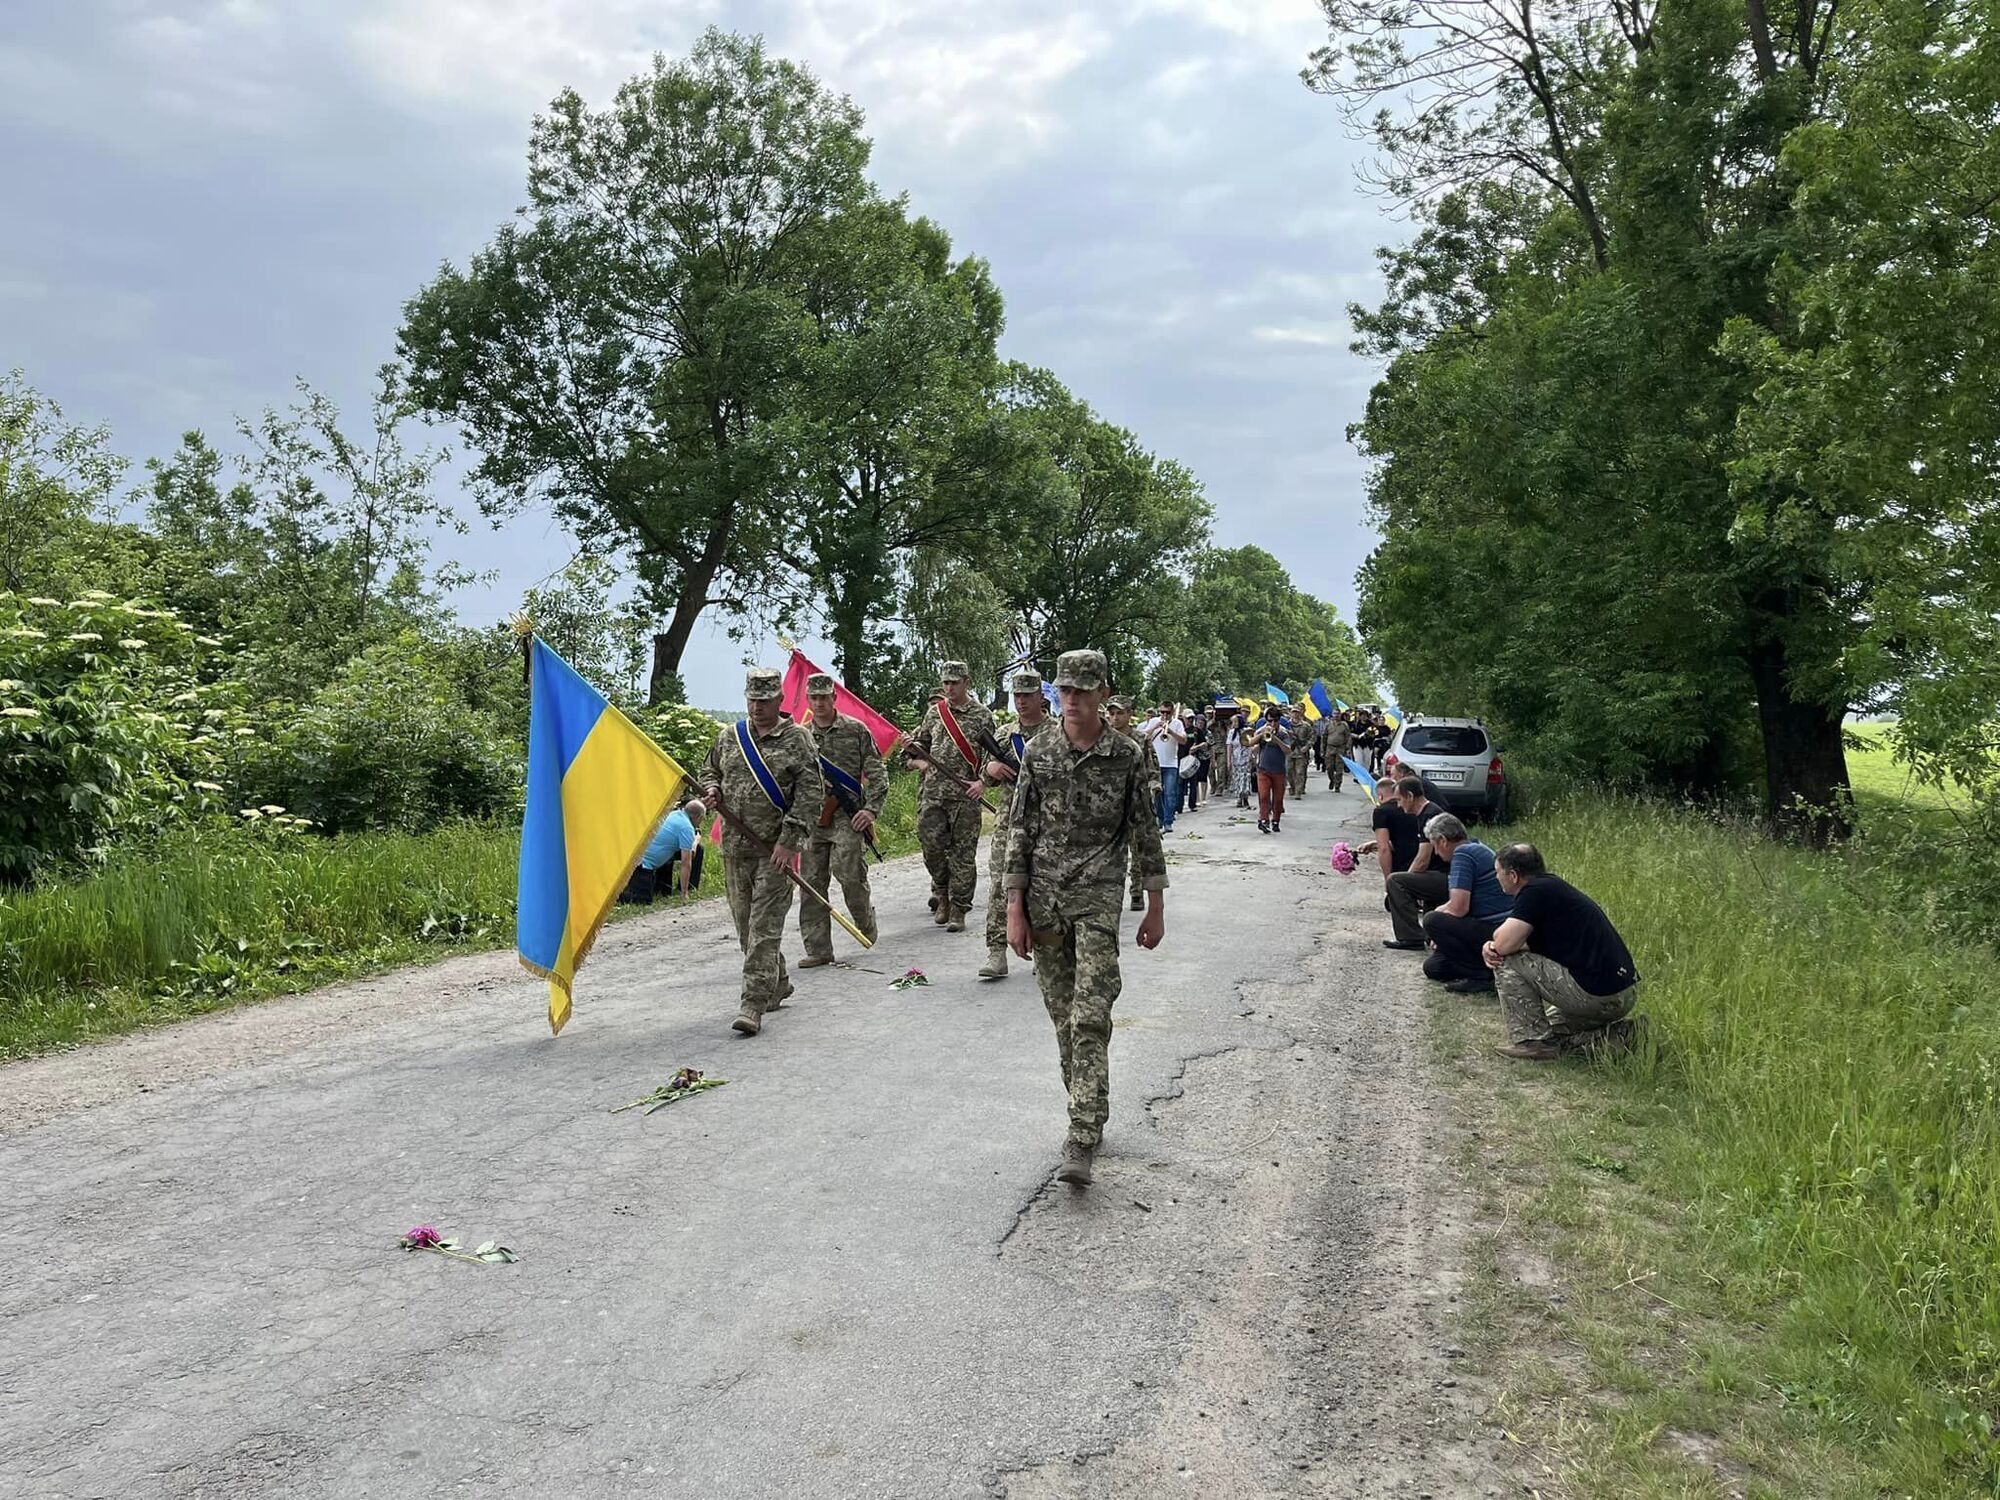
(1565,976)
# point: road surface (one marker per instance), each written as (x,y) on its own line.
(848,1273)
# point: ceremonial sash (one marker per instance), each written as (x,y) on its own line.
(842,780)
(957,735)
(755,761)
(1020,748)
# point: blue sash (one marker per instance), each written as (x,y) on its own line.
(758,769)
(841,779)
(1020,749)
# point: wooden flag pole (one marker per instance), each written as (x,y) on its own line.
(795,877)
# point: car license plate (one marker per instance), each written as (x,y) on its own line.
(1457,777)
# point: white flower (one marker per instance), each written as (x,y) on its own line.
(204,786)
(20,713)
(131,645)
(28,633)
(250,813)
(208,640)
(246,734)
(85,635)
(44,599)
(270,809)
(97,594)
(11,685)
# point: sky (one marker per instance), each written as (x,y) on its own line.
(206,200)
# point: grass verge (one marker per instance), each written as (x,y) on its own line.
(218,915)
(1759,1260)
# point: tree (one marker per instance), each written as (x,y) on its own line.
(1101,535)
(626,352)
(894,439)
(54,477)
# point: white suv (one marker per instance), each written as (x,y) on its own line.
(1457,760)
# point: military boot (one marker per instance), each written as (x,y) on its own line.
(747,1020)
(995,966)
(940,912)
(954,919)
(815,961)
(1075,1168)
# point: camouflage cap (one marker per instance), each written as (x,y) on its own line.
(954,671)
(763,682)
(1120,702)
(1027,682)
(1082,669)
(819,684)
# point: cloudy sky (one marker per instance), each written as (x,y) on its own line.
(207,198)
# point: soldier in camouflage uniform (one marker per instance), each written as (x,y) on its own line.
(949,800)
(760,893)
(1119,711)
(1032,715)
(839,842)
(1081,806)
(1338,742)
(1298,760)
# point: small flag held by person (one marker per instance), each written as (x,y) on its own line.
(1321,699)
(885,734)
(597,789)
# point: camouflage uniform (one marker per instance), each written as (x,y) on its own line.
(1339,741)
(760,897)
(836,850)
(1298,760)
(947,819)
(1076,815)
(996,858)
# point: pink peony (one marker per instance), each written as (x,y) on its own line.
(1343,858)
(423,1237)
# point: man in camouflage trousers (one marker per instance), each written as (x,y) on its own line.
(1032,715)
(1298,761)
(851,767)
(1120,711)
(1081,805)
(1338,743)
(950,799)
(776,813)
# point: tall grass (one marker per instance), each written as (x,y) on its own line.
(1830,1123)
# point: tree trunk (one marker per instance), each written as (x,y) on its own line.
(847,621)
(670,644)
(1805,759)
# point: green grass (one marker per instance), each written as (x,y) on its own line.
(1888,797)
(219,915)
(1780,1230)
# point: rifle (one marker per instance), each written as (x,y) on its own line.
(850,804)
(922,763)
(793,875)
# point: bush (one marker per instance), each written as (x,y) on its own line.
(685,733)
(111,721)
(391,743)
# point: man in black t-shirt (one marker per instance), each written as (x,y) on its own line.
(1412,885)
(1565,976)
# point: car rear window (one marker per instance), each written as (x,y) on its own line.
(1444,739)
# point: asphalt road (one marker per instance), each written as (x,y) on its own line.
(848,1273)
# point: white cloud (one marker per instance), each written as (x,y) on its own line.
(1316,334)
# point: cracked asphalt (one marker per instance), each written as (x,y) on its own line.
(848,1273)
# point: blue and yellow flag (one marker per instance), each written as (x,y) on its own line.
(1275,694)
(1320,699)
(597,789)
(1392,715)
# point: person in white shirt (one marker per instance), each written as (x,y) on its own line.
(1166,734)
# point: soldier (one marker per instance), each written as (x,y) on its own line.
(1119,710)
(1298,762)
(946,748)
(1339,741)
(1032,713)
(856,787)
(1081,805)
(765,773)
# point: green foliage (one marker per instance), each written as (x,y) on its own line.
(1244,623)
(112,721)
(54,477)
(687,734)
(389,743)
(627,352)
(211,914)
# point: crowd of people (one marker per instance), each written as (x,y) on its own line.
(1081,798)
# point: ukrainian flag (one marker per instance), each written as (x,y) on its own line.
(1275,694)
(597,788)
(1321,701)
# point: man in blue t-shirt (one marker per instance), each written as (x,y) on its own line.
(1473,910)
(675,846)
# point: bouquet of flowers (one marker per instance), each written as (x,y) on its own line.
(910,980)
(1343,858)
(683,1085)
(424,1237)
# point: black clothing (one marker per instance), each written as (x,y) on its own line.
(1570,928)
(1405,831)
(1458,941)
(1410,893)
